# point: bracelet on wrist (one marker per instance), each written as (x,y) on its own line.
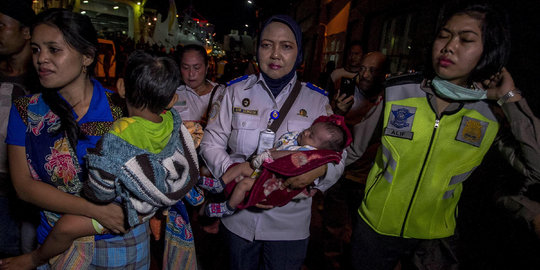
(507,96)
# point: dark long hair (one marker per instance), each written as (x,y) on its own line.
(495,37)
(79,33)
(197,48)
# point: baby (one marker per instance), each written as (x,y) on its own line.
(328,134)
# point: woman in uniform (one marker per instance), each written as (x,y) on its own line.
(276,237)
(436,130)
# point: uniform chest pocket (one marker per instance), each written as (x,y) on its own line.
(245,135)
(181,108)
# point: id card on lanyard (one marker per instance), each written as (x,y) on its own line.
(267,136)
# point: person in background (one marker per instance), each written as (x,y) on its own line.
(342,199)
(17,78)
(351,68)
(199,100)
(278,237)
(49,133)
(436,130)
(324,77)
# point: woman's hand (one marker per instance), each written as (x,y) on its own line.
(499,85)
(264,206)
(536,225)
(111,216)
(342,103)
(305,179)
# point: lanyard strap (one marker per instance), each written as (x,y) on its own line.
(205,116)
(286,106)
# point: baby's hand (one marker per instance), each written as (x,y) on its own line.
(242,169)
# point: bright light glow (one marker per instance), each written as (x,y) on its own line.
(138,3)
(155,19)
(149,23)
(247,25)
(85,2)
(176,15)
(83,12)
(250,2)
(115,7)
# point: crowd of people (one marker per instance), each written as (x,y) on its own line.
(115,179)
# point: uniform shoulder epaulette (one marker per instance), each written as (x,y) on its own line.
(239,79)
(406,78)
(317,89)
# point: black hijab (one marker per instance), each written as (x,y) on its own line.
(276,85)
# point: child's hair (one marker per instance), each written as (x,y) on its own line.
(337,143)
(150,81)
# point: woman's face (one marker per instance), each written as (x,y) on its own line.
(193,69)
(457,49)
(277,51)
(57,63)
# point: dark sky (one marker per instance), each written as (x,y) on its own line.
(227,14)
(224,15)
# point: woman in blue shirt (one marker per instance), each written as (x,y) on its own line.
(49,133)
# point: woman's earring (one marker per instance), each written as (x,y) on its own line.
(84,69)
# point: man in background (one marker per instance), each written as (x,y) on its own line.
(343,199)
(17,78)
(352,66)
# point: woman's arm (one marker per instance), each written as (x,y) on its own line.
(213,147)
(53,199)
(522,149)
(303,180)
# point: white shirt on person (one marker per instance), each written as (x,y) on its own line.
(190,105)
(233,136)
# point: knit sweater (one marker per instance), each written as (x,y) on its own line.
(142,180)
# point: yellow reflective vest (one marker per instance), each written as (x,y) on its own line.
(413,189)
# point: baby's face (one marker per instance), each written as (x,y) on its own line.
(316,135)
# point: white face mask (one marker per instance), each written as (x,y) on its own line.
(449,90)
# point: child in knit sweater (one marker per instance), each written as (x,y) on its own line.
(143,162)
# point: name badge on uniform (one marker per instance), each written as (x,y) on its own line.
(400,122)
(245,111)
(472,131)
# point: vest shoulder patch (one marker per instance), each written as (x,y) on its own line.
(239,79)
(317,89)
(408,78)
(472,131)
(400,122)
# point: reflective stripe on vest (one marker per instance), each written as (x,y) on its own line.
(423,161)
